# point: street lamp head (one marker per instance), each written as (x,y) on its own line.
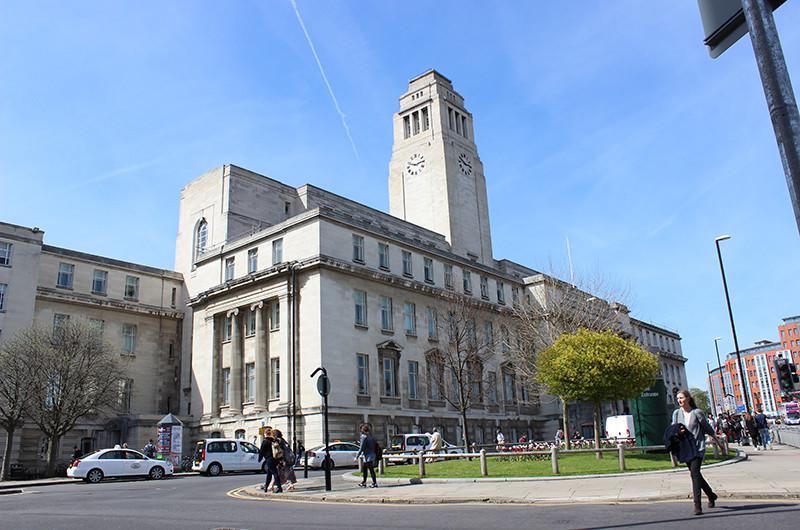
(722,238)
(717,338)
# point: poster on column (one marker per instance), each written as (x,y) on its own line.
(177,440)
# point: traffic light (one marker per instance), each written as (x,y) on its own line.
(786,375)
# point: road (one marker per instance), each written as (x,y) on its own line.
(195,502)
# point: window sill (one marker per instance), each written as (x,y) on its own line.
(225,341)
(501,302)
(484,297)
(360,326)
(247,335)
(65,287)
(130,355)
(363,400)
(274,329)
(359,261)
(407,275)
(99,293)
(433,339)
(131,299)
(412,335)
(436,403)
(387,331)
(390,400)
(386,269)
(7,265)
(430,282)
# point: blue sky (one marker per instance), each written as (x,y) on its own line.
(602,122)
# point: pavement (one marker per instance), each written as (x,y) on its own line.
(773,474)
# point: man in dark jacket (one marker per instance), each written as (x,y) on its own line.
(265,454)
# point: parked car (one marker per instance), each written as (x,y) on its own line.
(343,454)
(213,456)
(409,445)
(106,463)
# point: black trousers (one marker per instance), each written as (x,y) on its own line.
(698,482)
(272,471)
(371,467)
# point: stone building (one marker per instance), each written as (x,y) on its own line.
(139,310)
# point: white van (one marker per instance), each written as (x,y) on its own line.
(620,428)
(412,443)
(213,456)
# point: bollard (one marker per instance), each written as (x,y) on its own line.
(305,465)
(554,459)
(484,465)
(421,464)
(382,465)
(672,458)
(621,453)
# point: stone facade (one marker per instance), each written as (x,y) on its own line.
(140,310)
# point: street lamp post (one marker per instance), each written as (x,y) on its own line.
(714,411)
(721,375)
(733,327)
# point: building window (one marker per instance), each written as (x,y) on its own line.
(509,386)
(488,332)
(464,126)
(415,122)
(250,323)
(501,293)
(492,388)
(363,374)
(201,238)
(65,273)
(128,338)
(413,375)
(3,287)
(484,287)
(226,386)
(410,318)
(386,313)
(406,127)
(228,329)
(230,267)
(467,280)
(125,395)
(250,381)
(277,251)
(358,248)
(450,118)
(383,256)
(433,325)
(475,380)
(515,295)
(5,253)
(131,287)
(428,270)
(426,121)
(252,260)
(99,282)
(505,338)
(389,376)
(360,304)
(448,277)
(275,378)
(407,265)
(435,369)
(59,321)
(97,325)
(173,297)
(274,316)
(287,207)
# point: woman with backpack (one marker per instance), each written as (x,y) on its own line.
(368,449)
(285,462)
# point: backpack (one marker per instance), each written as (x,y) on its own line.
(288,455)
(277,450)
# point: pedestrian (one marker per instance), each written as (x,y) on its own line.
(737,430)
(285,465)
(763,429)
(559,437)
(125,445)
(523,439)
(696,423)
(501,439)
(149,450)
(435,446)
(368,450)
(752,430)
(76,453)
(301,451)
(266,454)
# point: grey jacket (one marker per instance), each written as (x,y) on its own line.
(698,426)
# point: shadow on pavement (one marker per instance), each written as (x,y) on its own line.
(733,512)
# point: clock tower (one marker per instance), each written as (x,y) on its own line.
(435,176)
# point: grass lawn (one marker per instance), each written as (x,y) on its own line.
(574,464)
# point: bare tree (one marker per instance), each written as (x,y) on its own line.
(14,388)
(74,375)
(460,359)
(553,308)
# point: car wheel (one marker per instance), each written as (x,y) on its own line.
(156,473)
(94,476)
(214,470)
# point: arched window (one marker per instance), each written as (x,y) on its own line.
(200,238)
(239,434)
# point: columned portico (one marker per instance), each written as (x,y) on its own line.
(236,362)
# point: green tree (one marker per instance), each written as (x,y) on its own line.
(701,399)
(596,366)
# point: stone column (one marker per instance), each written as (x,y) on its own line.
(261,358)
(236,362)
(215,365)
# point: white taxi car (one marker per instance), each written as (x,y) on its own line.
(343,454)
(106,463)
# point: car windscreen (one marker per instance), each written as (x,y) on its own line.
(198,450)
(397,440)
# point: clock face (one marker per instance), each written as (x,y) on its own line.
(415,164)
(465,163)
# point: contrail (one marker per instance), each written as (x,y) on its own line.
(325,78)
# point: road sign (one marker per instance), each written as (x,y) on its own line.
(740,408)
(323,385)
(724,23)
